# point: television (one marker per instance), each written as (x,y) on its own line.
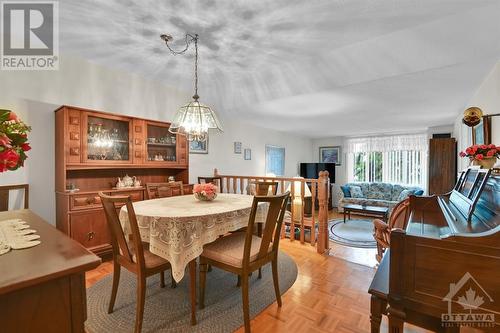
(311,170)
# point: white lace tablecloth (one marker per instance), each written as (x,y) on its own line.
(176,228)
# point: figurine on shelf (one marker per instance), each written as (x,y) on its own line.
(119,183)
(171,179)
(137,182)
(127,181)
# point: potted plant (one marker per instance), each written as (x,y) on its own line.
(483,155)
(13,141)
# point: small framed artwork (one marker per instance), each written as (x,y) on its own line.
(478,134)
(330,155)
(237,147)
(275,160)
(247,154)
(198,147)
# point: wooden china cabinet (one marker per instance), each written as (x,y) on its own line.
(93,149)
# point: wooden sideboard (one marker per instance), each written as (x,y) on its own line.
(93,149)
(42,289)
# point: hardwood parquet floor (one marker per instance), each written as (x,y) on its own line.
(329,295)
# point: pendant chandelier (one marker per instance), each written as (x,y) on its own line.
(193,119)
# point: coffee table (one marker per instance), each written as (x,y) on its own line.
(381,212)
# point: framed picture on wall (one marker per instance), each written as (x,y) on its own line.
(247,154)
(198,147)
(237,147)
(330,155)
(275,160)
(478,134)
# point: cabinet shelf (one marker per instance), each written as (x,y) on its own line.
(173,145)
(125,166)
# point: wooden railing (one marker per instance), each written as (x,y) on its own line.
(319,190)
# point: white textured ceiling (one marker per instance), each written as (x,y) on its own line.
(317,67)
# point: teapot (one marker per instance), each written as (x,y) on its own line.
(137,182)
(127,181)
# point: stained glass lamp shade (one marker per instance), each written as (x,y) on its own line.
(195,119)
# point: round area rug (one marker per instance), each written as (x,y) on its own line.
(355,233)
(169,310)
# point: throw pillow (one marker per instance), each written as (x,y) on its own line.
(419,192)
(346,190)
(356,192)
(405,194)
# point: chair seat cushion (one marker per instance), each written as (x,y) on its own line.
(151,260)
(229,249)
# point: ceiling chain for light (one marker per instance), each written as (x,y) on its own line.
(194,118)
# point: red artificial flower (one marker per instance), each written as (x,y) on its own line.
(9,158)
(5,141)
(462,154)
(491,152)
(479,157)
(468,151)
(197,188)
(492,146)
(25,146)
(13,116)
(483,146)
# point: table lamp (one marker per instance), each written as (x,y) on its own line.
(297,203)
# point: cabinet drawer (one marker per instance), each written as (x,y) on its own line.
(90,228)
(85,201)
(134,195)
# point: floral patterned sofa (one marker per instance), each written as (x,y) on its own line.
(375,194)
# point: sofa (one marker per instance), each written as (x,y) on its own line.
(375,194)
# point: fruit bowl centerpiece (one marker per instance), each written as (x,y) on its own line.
(205,192)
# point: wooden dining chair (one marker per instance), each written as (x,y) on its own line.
(265,188)
(133,255)
(4,195)
(164,190)
(382,230)
(216,180)
(242,253)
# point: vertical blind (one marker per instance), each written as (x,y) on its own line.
(398,159)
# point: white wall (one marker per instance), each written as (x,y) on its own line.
(487,97)
(221,151)
(35,95)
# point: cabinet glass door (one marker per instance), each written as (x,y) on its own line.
(108,139)
(161,144)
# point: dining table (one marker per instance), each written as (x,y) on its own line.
(178,227)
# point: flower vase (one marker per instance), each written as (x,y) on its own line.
(485,163)
(203,197)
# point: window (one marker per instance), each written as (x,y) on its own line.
(368,167)
(394,159)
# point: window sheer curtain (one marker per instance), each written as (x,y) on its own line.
(400,159)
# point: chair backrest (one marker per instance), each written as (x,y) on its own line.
(4,195)
(262,188)
(276,207)
(118,236)
(400,214)
(164,190)
(216,180)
